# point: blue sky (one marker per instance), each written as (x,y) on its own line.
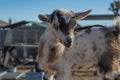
(29,9)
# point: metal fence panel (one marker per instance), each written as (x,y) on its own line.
(21,35)
(26,35)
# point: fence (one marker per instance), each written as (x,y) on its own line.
(22,35)
(2,40)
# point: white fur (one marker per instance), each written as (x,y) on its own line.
(74,55)
(81,53)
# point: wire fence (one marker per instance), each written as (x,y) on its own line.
(21,35)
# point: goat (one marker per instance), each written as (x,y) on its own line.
(60,50)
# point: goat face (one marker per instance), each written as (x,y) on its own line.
(63,22)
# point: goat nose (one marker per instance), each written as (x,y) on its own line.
(69,40)
(44,78)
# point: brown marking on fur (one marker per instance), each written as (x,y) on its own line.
(116,51)
(117,27)
(85,45)
(40,49)
(53,32)
(75,32)
(104,29)
(99,37)
(54,53)
(88,30)
(108,33)
(77,54)
(107,60)
(52,68)
(76,37)
(73,66)
(94,47)
(83,55)
(115,65)
(76,43)
(81,35)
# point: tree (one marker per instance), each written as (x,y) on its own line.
(115,7)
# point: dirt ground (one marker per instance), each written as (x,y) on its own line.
(85,78)
(85,74)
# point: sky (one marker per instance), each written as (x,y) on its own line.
(29,10)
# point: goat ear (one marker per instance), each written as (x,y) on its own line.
(82,15)
(45,18)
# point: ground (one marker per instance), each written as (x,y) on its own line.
(84,78)
(85,74)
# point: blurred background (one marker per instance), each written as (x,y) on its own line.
(18,10)
(20,31)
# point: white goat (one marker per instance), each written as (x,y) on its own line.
(60,50)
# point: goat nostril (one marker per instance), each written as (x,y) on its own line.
(69,40)
(44,78)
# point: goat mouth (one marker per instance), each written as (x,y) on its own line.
(66,44)
(44,78)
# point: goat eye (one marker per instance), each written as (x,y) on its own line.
(72,22)
(56,27)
